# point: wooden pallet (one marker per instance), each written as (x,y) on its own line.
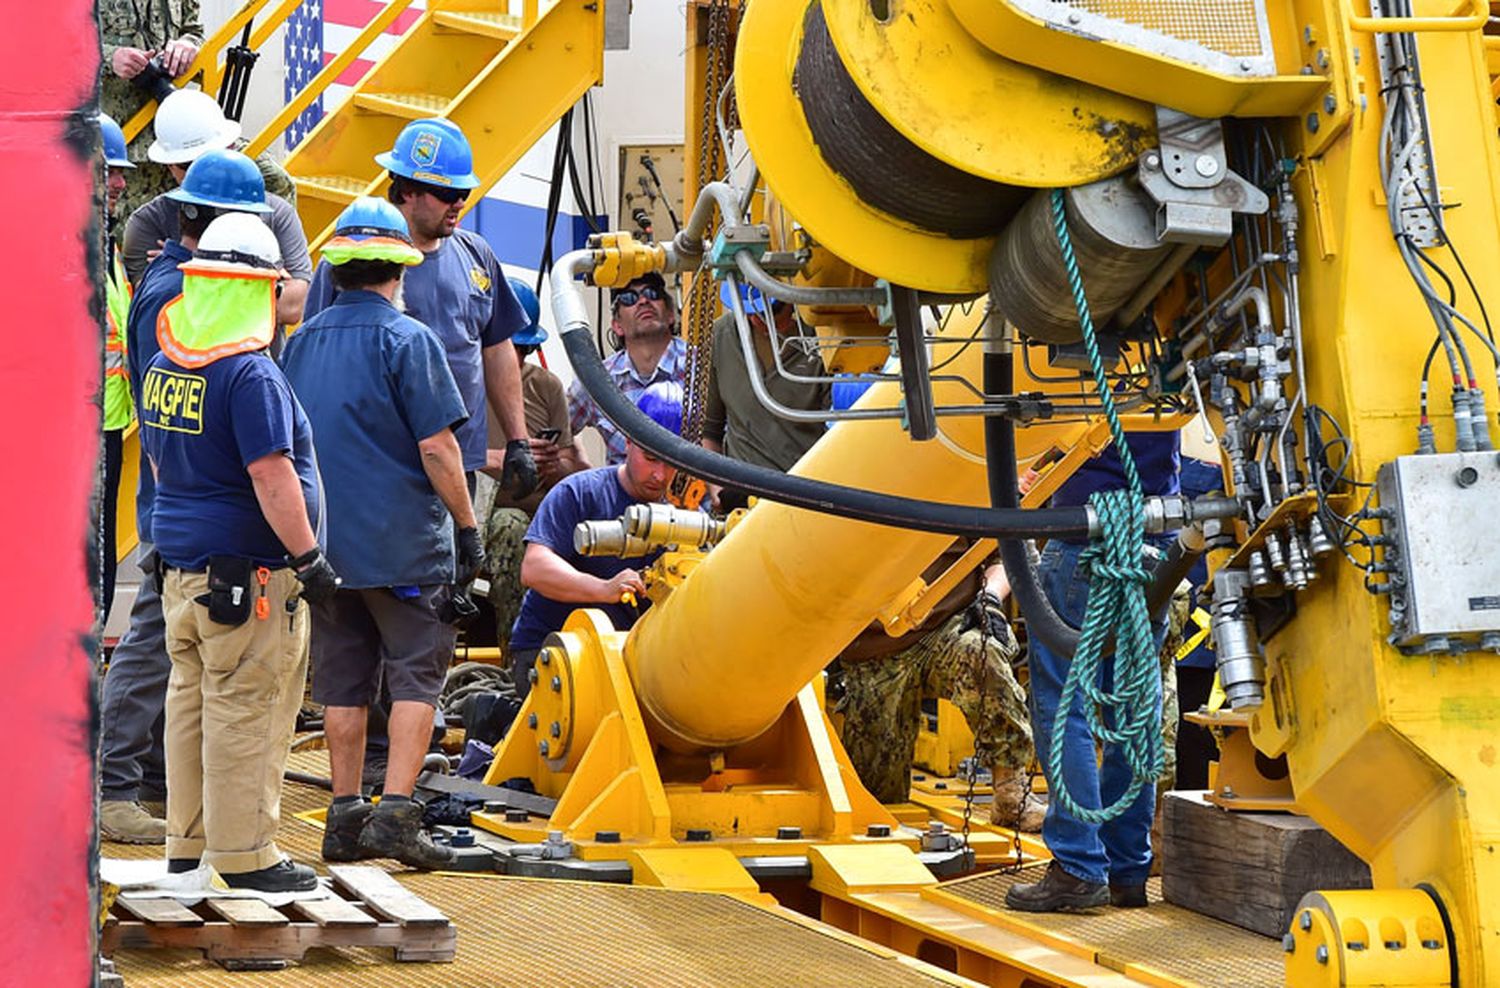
(369,909)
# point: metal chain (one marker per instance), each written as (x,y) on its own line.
(699,307)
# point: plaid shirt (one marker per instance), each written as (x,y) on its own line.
(583,412)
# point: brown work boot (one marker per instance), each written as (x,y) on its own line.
(1014,805)
(125,821)
(1057,892)
(395,831)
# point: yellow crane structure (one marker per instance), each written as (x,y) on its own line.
(1289,208)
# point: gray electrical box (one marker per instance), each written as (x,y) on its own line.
(1436,512)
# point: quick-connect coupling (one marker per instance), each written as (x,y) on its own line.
(619,259)
(1237,650)
(607,538)
(660,525)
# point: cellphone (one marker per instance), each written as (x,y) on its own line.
(549,435)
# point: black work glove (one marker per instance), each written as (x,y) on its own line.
(988,608)
(316,575)
(470,555)
(518,476)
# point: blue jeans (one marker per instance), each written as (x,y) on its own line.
(1120,850)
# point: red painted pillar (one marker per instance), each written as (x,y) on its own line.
(50,364)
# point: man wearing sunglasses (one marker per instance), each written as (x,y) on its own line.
(644,320)
(459,292)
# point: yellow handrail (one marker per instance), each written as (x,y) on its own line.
(207,62)
(326,76)
(1457,21)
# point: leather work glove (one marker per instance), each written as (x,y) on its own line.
(471,552)
(316,574)
(518,476)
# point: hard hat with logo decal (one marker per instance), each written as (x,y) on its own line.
(433,151)
(223,179)
(662,403)
(371,229)
(236,240)
(533,334)
(114,143)
(188,123)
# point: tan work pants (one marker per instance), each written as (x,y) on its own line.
(232,703)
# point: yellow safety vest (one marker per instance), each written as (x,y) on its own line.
(119,410)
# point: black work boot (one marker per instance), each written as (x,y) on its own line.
(341,831)
(1057,892)
(395,831)
(283,876)
(1128,896)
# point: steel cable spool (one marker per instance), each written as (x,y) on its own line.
(1114,239)
(885,169)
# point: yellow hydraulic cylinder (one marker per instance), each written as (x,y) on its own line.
(787,589)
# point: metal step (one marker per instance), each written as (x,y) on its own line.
(491,25)
(334,188)
(413,106)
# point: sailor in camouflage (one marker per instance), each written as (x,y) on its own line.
(504,546)
(966,661)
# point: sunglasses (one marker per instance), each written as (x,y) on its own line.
(445,195)
(631,296)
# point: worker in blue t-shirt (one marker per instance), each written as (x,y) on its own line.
(557,576)
(1091,863)
(131,759)
(384,407)
(459,292)
(236,516)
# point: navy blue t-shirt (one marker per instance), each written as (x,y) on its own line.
(592,495)
(1157,460)
(374,383)
(203,427)
(460,293)
(1199,477)
(160,284)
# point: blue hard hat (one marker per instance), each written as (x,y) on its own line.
(662,402)
(223,179)
(751,298)
(533,334)
(114,143)
(433,151)
(371,229)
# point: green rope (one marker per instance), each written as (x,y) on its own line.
(1130,716)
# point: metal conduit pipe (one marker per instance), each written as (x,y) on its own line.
(848,502)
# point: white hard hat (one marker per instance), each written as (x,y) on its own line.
(189,122)
(241,240)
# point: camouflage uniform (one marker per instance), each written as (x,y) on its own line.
(1177,622)
(883,703)
(140,24)
(504,545)
(148,25)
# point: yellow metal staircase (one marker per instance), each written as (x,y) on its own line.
(503,79)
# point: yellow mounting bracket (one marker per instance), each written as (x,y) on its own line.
(619,259)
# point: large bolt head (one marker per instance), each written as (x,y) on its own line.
(1305,920)
(556,729)
(1322,954)
(557,684)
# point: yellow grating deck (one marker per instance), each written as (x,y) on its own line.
(539,932)
(1183,947)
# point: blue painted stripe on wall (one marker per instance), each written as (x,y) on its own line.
(515,231)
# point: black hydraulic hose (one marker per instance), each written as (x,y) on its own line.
(1042,619)
(801,492)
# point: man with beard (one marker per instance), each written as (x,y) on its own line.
(644,319)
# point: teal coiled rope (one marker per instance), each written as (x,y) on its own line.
(1130,714)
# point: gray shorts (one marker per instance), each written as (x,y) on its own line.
(360,634)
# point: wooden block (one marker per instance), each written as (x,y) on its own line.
(1249,869)
(247,912)
(162,912)
(386,896)
(334,912)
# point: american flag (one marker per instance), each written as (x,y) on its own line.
(315,33)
